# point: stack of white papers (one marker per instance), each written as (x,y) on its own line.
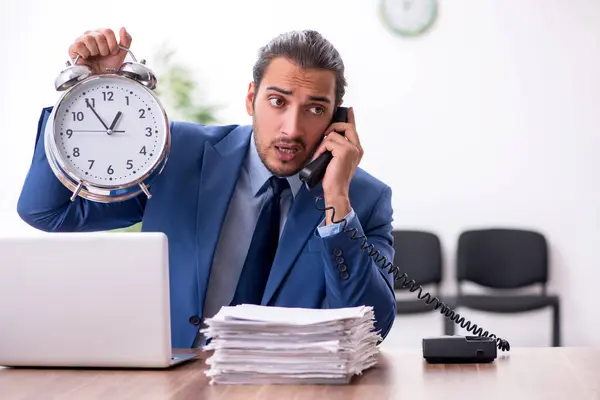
(275,345)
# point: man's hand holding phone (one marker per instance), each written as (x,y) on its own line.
(347,153)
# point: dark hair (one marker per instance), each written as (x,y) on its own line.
(308,49)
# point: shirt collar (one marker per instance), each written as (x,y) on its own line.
(259,174)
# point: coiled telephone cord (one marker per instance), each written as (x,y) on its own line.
(406,282)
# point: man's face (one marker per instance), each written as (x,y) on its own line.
(290,111)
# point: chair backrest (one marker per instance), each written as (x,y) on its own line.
(419,255)
(502,258)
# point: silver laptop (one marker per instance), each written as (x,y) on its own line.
(86,300)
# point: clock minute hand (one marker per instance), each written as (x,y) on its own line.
(96,114)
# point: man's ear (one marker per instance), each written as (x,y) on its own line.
(250,99)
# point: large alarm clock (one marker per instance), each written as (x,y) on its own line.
(408,17)
(107,138)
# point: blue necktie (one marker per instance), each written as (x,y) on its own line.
(263,247)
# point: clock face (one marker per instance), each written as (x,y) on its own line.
(109,131)
(408,17)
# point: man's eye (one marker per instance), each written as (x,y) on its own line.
(276,102)
(317,110)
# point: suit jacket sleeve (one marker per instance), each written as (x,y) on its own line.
(352,276)
(45,204)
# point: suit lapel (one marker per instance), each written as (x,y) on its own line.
(221,165)
(301,223)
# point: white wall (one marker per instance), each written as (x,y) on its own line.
(490,119)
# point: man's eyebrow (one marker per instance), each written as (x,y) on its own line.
(280,90)
(320,98)
(289,92)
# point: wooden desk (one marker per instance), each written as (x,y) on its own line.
(537,373)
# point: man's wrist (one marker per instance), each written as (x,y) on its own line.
(341,205)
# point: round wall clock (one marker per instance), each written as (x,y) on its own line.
(408,17)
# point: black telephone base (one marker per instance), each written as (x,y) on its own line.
(434,360)
(459,349)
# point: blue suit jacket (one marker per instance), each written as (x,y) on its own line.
(190,199)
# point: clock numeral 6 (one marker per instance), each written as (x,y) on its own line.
(149,131)
(110,171)
(129,164)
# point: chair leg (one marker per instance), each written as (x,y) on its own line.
(556,326)
(449,326)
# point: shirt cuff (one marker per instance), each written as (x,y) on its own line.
(328,230)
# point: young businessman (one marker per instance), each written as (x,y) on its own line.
(241,226)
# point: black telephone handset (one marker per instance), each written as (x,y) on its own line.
(311,175)
(314,172)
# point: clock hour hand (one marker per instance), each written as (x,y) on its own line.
(112,126)
(96,114)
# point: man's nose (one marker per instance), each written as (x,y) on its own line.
(292,126)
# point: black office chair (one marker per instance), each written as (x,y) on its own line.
(419,255)
(504,259)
